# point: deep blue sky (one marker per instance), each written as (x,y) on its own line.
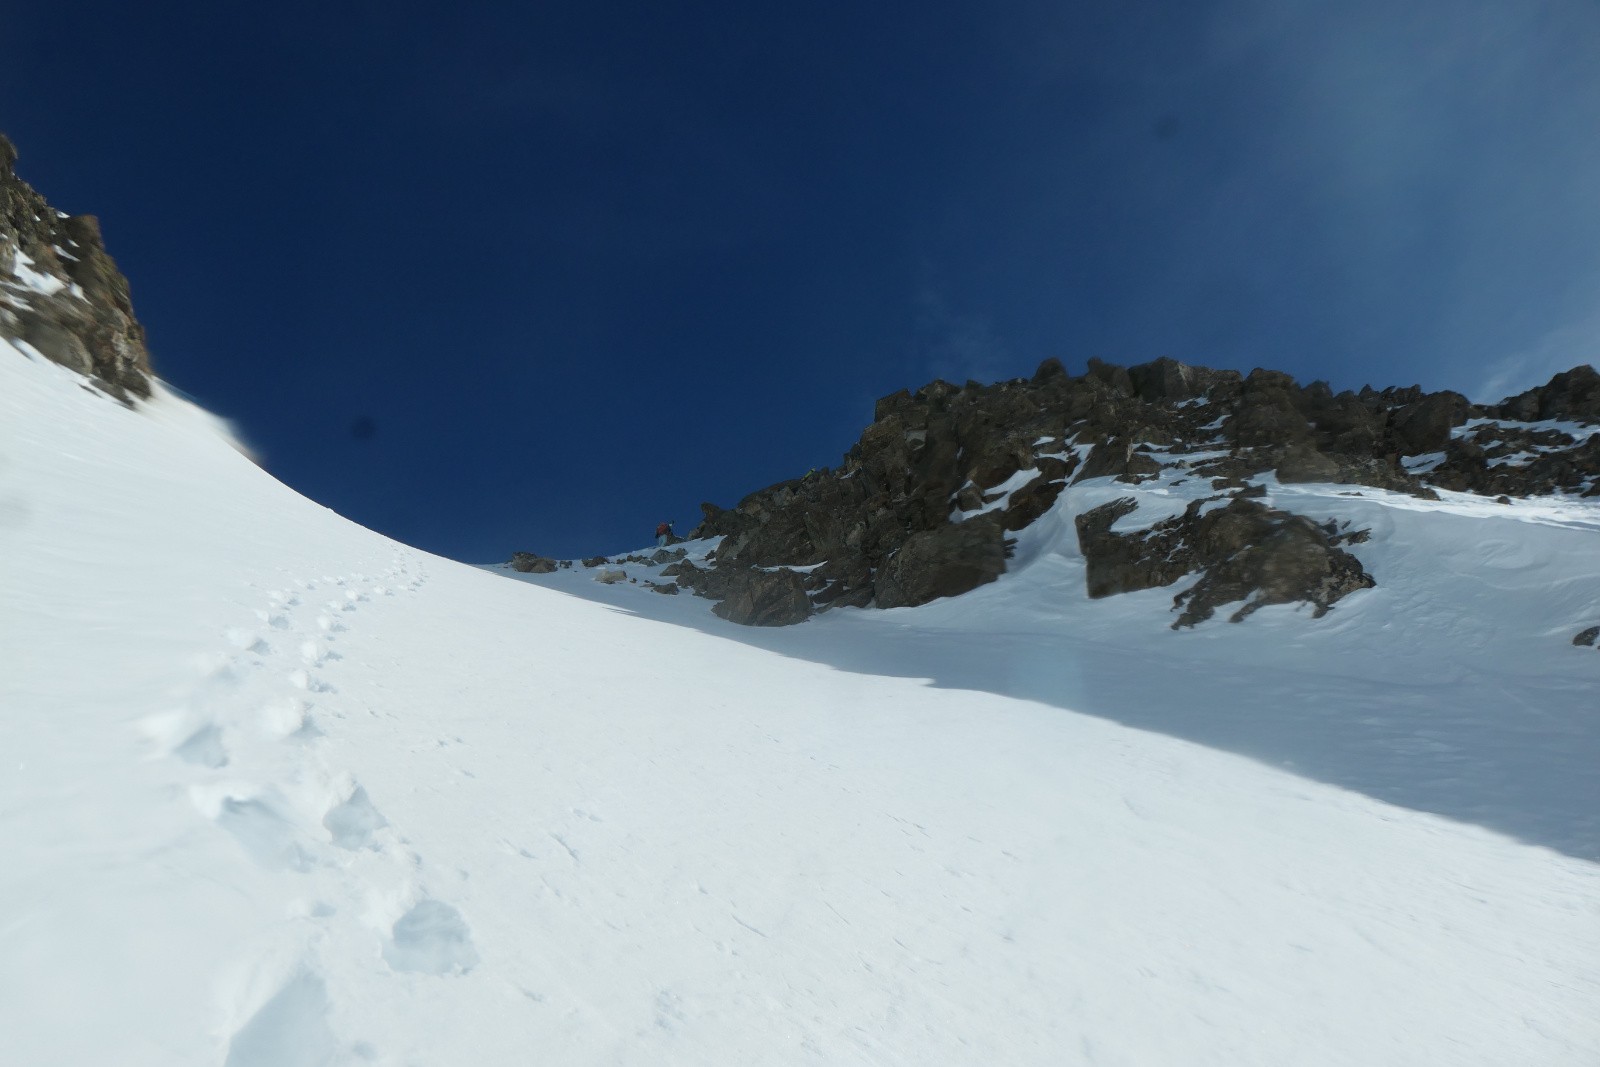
(535,276)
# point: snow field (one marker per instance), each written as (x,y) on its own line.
(287,793)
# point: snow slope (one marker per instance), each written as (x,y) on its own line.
(1453,687)
(279,791)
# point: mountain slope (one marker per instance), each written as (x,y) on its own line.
(922,505)
(286,792)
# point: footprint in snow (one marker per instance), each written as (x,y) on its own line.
(353,822)
(183,734)
(431,938)
(267,830)
(288,717)
(302,679)
(247,641)
(204,747)
(290,1028)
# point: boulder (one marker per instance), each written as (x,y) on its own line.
(944,562)
(1424,426)
(1302,463)
(1244,551)
(1120,563)
(529,563)
(1165,379)
(1287,559)
(611,575)
(764,598)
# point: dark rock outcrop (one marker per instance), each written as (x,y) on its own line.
(61,294)
(948,561)
(764,598)
(1287,561)
(1502,460)
(1586,638)
(531,563)
(1424,426)
(1118,456)
(1572,395)
(1302,463)
(919,508)
(1243,551)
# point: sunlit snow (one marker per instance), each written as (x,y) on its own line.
(281,792)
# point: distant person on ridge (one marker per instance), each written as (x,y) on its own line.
(663,534)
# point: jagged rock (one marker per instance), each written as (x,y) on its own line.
(1572,395)
(667,588)
(1424,426)
(1267,413)
(1243,551)
(1167,380)
(61,293)
(1121,563)
(1234,469)
(1000,460)
(1302,463)
(1118,378)
(1347,426)
(1513,460)
(970,498)
(1050,370)
(934,454)
(764,598)
(712,583)
(938,563)
(1586,638)
(1031,501)
(1378,474)
(530,563)
(595,561)
(1118,456)
(1285,559)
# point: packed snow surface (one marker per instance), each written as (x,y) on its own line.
(279,792)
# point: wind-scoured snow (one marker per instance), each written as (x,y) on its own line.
(279,791)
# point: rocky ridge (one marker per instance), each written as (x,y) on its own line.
(926,503)
(60,292)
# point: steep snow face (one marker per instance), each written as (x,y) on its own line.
(280,791)
(1453,687)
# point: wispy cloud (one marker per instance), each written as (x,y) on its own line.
(1559,350)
